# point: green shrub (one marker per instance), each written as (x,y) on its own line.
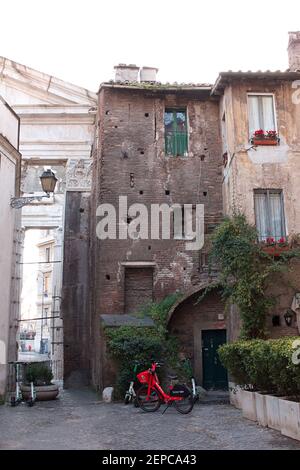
(265,365)
(39,374)
(127,344)
(231,356)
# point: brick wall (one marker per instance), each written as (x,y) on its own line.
(130,160)
(75,293)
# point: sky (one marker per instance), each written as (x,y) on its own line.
(80,41)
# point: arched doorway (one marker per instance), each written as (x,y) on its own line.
(201,327)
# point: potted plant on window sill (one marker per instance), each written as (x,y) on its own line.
(260,137)
(41,376)
(275,248)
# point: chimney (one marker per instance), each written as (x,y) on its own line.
(148,74)
(294,51)
(126,73)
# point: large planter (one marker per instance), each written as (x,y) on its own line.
(43,392)
(273,413)
(261,409)
(235,395)
(290,418)
(248,405)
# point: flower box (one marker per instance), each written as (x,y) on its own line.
(275,250)
(261,409)
(235,395)
(261,137)
(273,413)
(248,405)
(265,141)
(289,418)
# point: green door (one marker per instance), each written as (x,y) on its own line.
(214,374)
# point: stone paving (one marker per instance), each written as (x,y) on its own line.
(79,421)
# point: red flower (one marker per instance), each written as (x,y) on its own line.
(270,240)
(259,132)
(272,134)
(282,240)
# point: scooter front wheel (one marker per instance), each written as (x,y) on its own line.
(127,398)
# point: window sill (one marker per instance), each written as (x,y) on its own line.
(168,155)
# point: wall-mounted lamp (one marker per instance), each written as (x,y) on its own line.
(48,181)
(288,317)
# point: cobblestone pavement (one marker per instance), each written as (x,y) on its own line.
(79,421)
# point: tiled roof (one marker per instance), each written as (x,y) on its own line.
(156,85)
(225,77)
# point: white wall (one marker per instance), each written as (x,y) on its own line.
(9,162)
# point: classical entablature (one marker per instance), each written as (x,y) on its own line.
(57,121)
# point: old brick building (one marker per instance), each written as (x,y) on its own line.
(134,158)
(190,144)
(168,144)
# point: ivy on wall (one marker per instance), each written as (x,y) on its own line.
(245,271)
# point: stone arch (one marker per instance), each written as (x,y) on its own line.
(190,321)
(194,290)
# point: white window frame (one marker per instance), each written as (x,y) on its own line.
(274,109)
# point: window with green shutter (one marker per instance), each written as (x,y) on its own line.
(176,137)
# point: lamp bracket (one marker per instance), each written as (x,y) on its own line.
(19,202)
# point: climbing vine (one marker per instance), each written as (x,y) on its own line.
(245,270)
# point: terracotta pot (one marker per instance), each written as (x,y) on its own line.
(43,392)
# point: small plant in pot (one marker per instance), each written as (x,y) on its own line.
(41,376)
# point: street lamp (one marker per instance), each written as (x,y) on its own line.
(48,181)
(288,317)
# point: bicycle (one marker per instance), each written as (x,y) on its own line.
(130,395)
(150,395)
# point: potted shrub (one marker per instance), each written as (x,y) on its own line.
(41,375)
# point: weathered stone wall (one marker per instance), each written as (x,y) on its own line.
(75,293)
(131,161)
(266,167)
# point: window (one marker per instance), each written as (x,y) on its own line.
(45,317)
(48,255)
(269,214)
(138,288)
(261,113)
(46,284)
(176,138)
